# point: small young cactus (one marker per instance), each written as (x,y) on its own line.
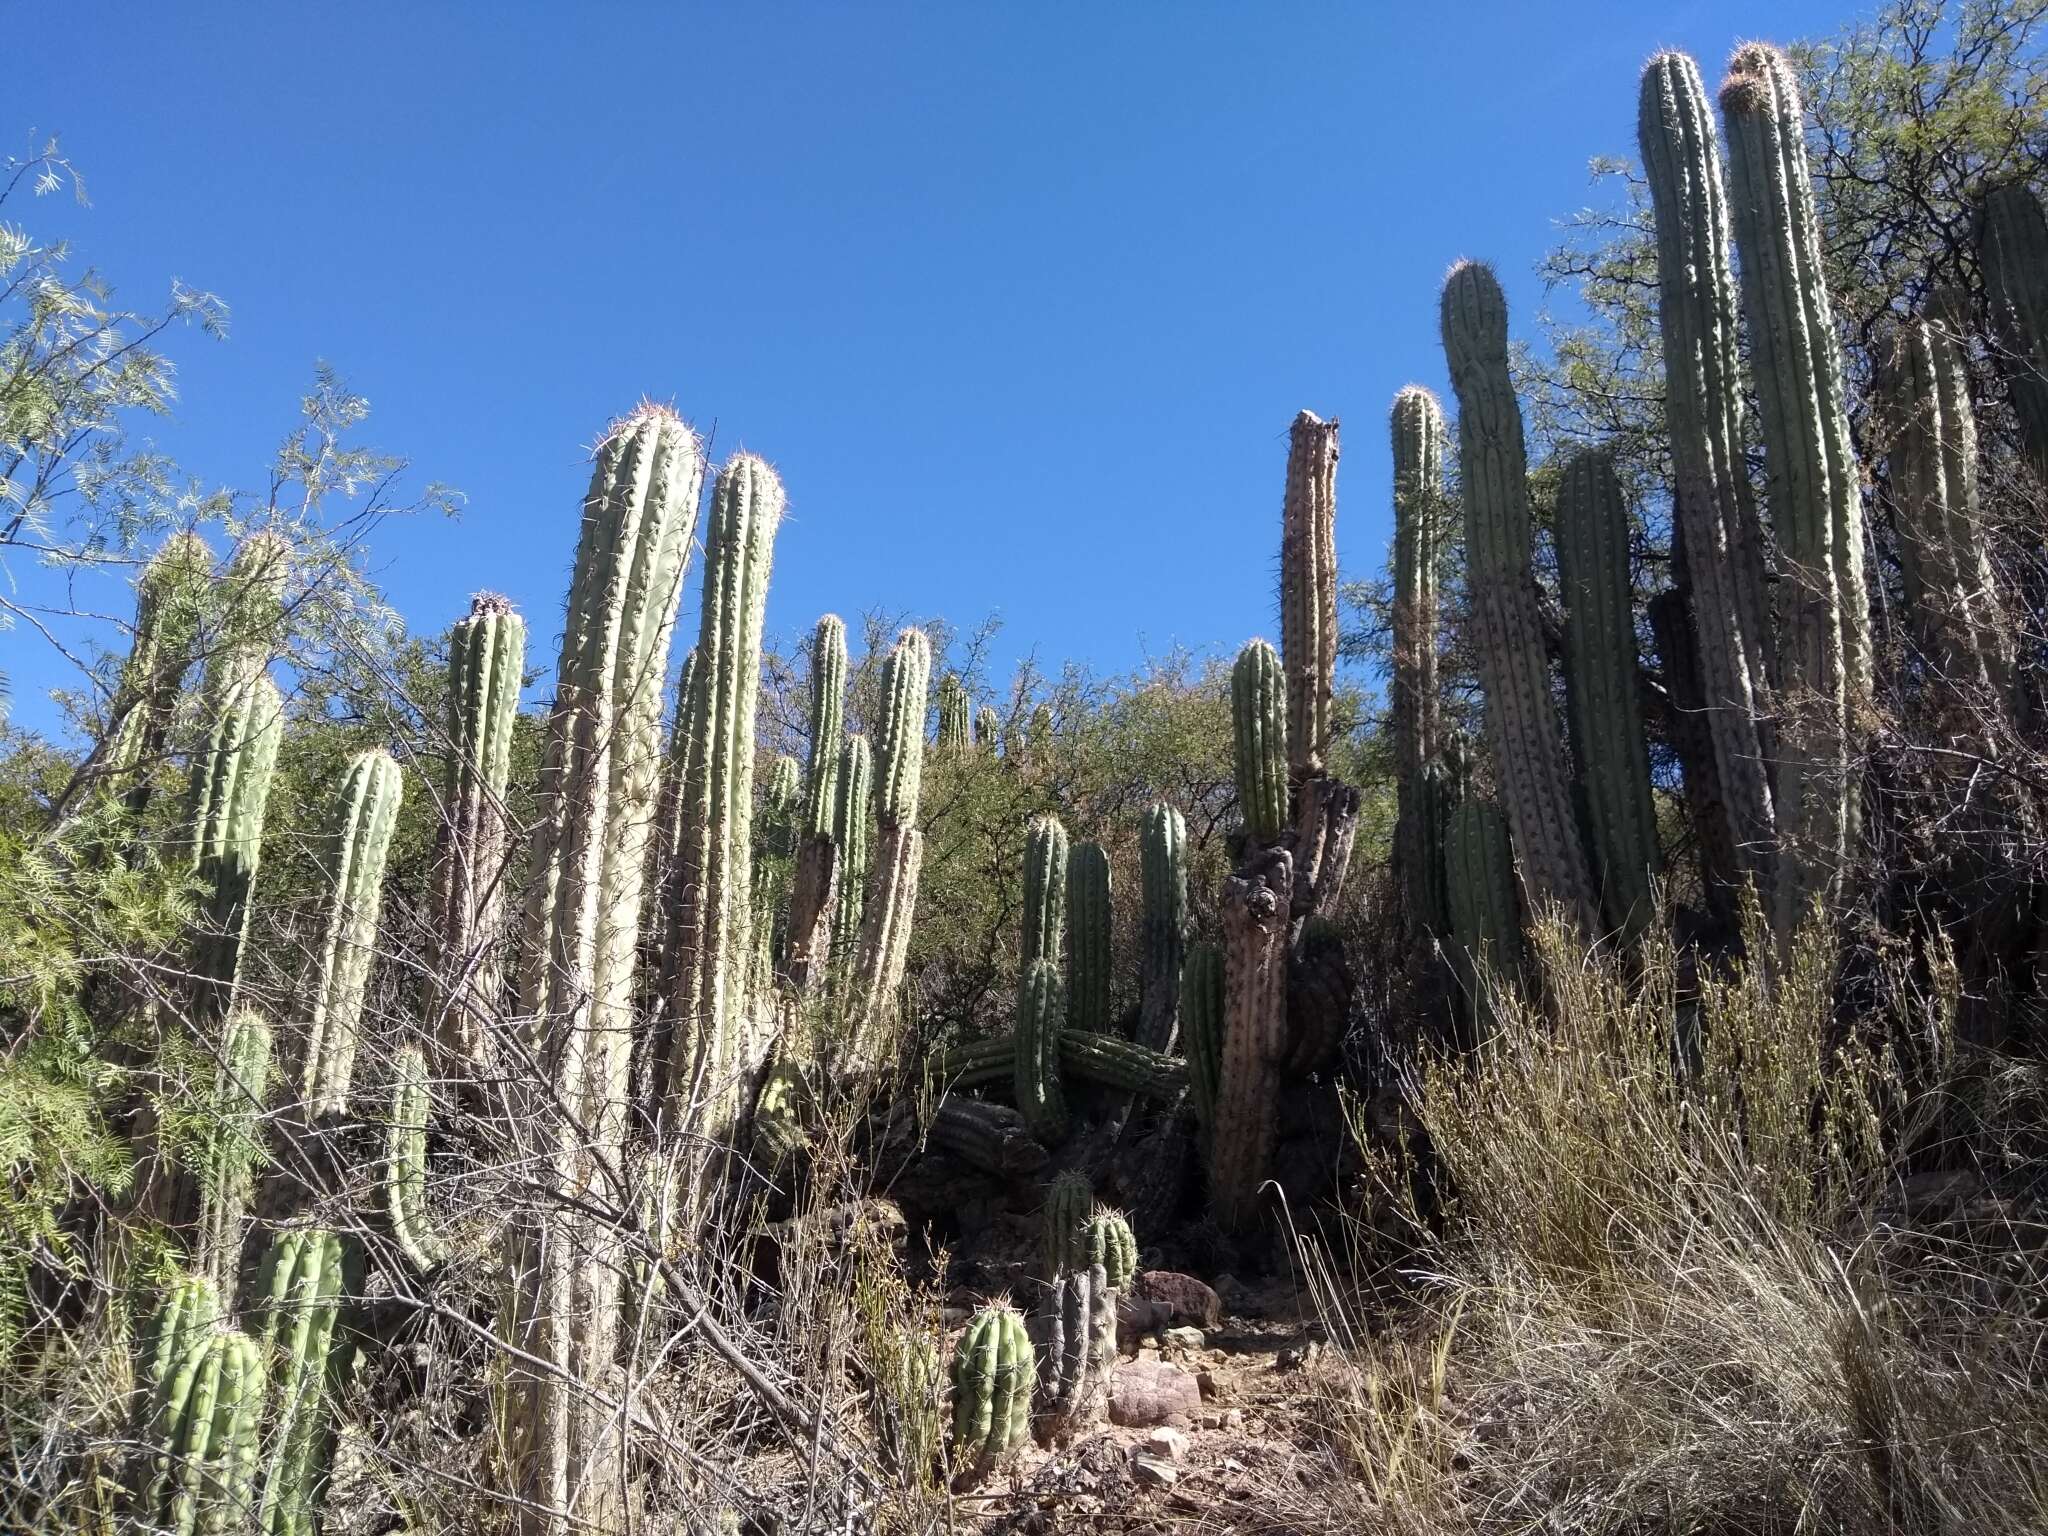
(1112,1245)
(370,797)
(1045,889)
(405,1163)
(1080,1351)
(992,1380)
(1041,1014)
(1088,937)
(1258,703)
(1069,1202)
(205,1424)
(1162,925)
(307,1279)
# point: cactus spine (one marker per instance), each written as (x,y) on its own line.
(1521,721)
(1040,1017)
(1601,671)
(204,1428)
(305,1285)
(405,1163)
(1933,464)
(1201,1004)
(892,904)
(1069,1203)
(1308,589)
(956,725)
(170,601)
(1714,510)
(1258,708)
(1418,442)
(1163,925)
(370,797)
(1080,1351)
(1088,937)
(580,928)
(1111,1244)
(486,663)
(1045,889)
(1815,501)
(992,1377)
(2012,246)
(828,723)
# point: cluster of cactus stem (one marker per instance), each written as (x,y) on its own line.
(992,1377)
(205,1433)
(370,797)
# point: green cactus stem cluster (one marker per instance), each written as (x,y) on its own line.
(1162,925)
(891,904)
(170,608)
(1521,718)
(231,793)
(992,1380)
(369,801)
(307,1279)
(1111,1244)
(1201,1007)
(405,1163)
(1815,500)
(1258,711)
(1079,1325)
(1419,436)
(956,718)
(1088,937)
(2012,247)
(1606,686)
(205,1430)
(579,940)
(1069,1205)
(486,667)
(1041,1015)
(1308,590)
(1045,890)
(191,1307)
(1714,513)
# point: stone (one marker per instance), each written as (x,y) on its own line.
(1234,1419)
(1165,1441)
(1186,1299)
(1206,1380)
(1145,1393)
(1186,1338)
(1153,1472)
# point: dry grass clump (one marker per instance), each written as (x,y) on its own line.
(1712,1263)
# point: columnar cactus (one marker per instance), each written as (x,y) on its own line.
(1123,1064)
(1041,1014)
(1949,583)
(782,795)
(231,1149)
(191,1308)
(992,1379)
(828,723)
(853,839)
(170,603)
(1258,708)
(405,1163)
(1418,441)
(1088,937)
(988,728)
(1713,507)
(1069,1205)
(305,1283)
(1308,590)
(1691,733)
(204,1428)
(1162,925)
(892,903)
(369,802)
(1602,673)
(1201,1006)
(2012,246)
(1045,890)
(720,1039)
(1485,923)
(486,666)
(956,721)
(578,945)
(1811,475)
(1080,1351)
(1244,1124)
(1521,719)
(1111,1244)
(232,790)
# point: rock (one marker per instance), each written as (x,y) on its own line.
(1295,1357)
(1137,1317)
(1237,1297)
(1185,1298)
(1148,1392)
(1234,1419)
(1186,1338)
(1153,1472)
(1172,1444)
(1206,1380)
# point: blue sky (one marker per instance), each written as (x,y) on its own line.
(1020,299)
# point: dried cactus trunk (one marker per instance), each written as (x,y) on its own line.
(1041,1012)
(1308,590)
(1715,512)
(1933,469)
(891,905)
(956,718)
(721,1036)
(1045,890)
(307,1280)
(580,929)
(1079,1326)
(1258,709)
(1815,501)
(1256,905)
(465,980)
(992,1376)
(1163,926)
(1202,993)
(2012,246)
(232,791)
(405,1163)
(370,797)
(1088,937)
(1521,718)
(1606,686)
(204,1429)
(1418,443)
(1485,923)
(1320,987)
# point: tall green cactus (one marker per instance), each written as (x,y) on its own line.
(992,1380)
(828,723)
(578,945)
(1201,1005)
(191,1307)
(988,728)
(1485,923)
(1162,925)
(1308,590)
(230,793)
(1088,937)
(1109,1242)
(1811,477)
(2012,247)
(1418,441)
(892,903)
(1950,589)
(231,1148)
(1045,890)
(204,1429)
(486,662)
(1714,509)
(1069,1203)
(405,1163)
(1603,675)
(1258,708)
(853,837)
(369,802)
(1041,1014)
(170,605)
(956,723)
(1521,718)
(307,1279)
(782,796)
(720,1036)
